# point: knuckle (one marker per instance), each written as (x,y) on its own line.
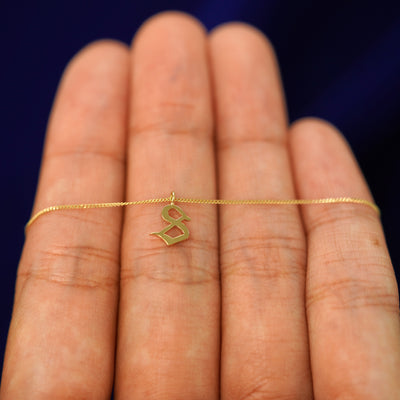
(85,152)
(183,270)
(95,219)
(353,293)
(270,389)
(167,126)
(332,218)
(67,390)
(89,221)
(272,258)
(345,391)
(274,139)
(261,395)
(77,266)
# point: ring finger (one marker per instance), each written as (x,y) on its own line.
(262,249)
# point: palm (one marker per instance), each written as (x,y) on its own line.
(257,297)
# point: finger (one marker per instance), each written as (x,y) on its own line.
(62,335)
(352,299)
(262,248)
(168,344)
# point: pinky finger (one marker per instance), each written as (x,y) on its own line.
(351,291)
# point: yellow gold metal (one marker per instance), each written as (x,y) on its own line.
(174,222)
(93,205)
(179,222)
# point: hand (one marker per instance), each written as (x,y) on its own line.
(262,302)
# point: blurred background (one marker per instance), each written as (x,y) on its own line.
(339,61)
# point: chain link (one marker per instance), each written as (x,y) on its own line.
(172,199)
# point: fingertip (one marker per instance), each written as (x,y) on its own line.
(93,87)
(241,32)
(308,128)
(322,160)
(103,51)
(239,52)
(167,20)
(313,135)
(105,45)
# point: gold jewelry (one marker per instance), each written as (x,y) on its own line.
(174,222)
(178,222)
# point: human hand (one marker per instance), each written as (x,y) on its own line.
(262,302)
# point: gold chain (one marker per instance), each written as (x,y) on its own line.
(172,199)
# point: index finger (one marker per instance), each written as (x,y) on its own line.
(62,334)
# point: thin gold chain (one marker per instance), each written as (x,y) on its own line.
(172,199)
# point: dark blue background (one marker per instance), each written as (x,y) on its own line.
(339,60)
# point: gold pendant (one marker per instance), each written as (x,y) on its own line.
(174,222)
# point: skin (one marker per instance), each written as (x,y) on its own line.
(262,302)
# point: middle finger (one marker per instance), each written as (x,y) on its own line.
(168,339)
